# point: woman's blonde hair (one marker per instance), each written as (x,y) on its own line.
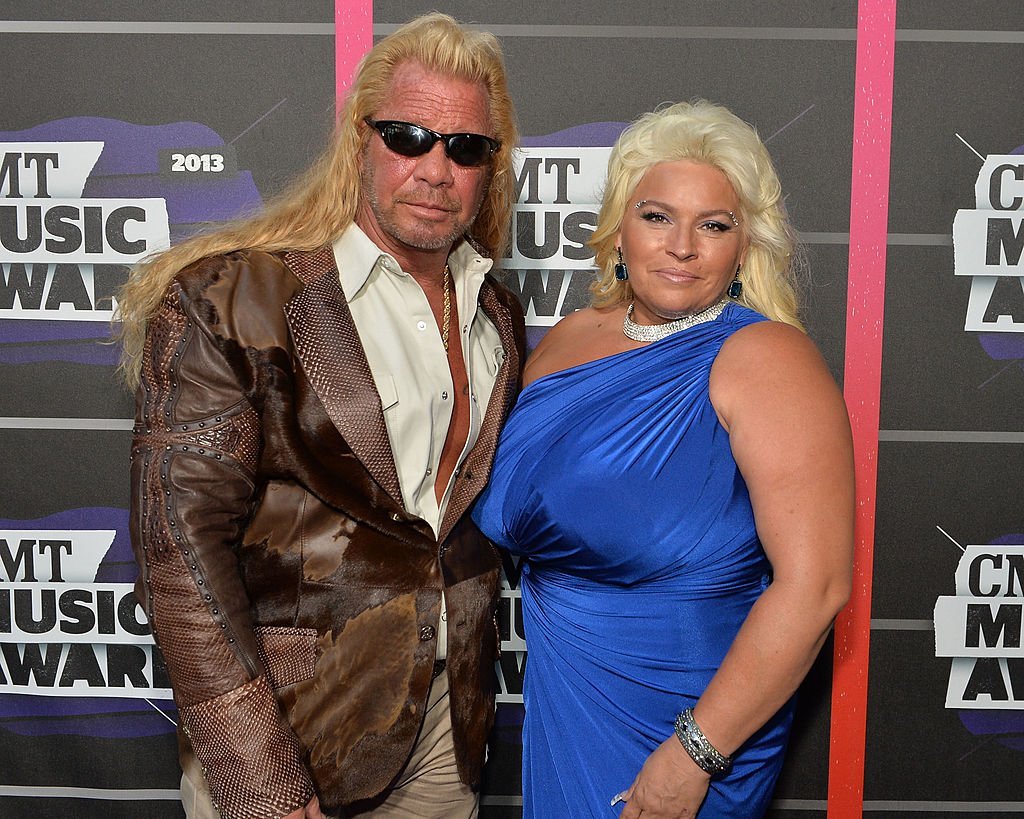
(702,131)
(318,207)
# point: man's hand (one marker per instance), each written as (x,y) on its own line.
(669,786)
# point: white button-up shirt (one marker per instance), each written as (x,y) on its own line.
(410,366)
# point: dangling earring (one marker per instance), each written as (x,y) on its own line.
(736,287)
(621,274)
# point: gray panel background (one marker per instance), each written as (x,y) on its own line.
(786,67)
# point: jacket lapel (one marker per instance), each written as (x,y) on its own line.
(328,347)
(476,468)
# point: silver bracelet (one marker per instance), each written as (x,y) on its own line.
(699,747)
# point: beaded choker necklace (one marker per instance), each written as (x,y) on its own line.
(656,332)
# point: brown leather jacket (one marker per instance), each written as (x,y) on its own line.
(293,598)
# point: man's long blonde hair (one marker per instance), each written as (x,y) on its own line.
(318,207)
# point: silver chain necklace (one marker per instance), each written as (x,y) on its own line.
(656,332)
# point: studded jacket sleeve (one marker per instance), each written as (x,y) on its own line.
(195,452)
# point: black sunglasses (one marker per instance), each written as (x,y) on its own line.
(468,150)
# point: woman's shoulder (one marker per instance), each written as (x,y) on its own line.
(579,337)
(585,321)
(762,338)
(767,349)
(768,359)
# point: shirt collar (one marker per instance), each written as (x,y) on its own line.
(357,256)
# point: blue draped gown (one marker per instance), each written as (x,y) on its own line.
(615,483)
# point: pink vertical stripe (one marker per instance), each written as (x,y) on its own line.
(353,37)
(869,211)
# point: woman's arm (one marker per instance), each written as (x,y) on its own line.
(789,432)
(790,436)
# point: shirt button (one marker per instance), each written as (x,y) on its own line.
(430,471)
(444,395)
(421,326)
(427,633)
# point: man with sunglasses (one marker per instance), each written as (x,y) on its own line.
(320,390)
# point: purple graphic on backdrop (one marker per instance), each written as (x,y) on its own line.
(118,564)
(587,135)
(185,164)
(34,715)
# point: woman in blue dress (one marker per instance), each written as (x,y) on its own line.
(677,478)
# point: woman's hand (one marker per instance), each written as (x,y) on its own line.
(311,811)
(669,786)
